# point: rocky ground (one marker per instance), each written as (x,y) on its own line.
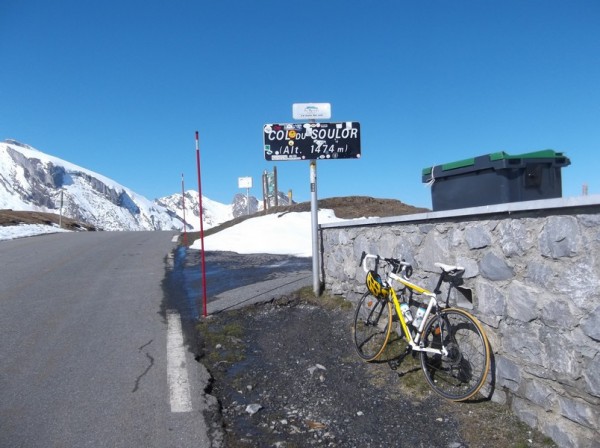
(286,375)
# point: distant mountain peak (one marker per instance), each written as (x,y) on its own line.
(31,180)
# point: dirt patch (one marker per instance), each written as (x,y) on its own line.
(286,374)
(349,207)
(14,218)
(346,207)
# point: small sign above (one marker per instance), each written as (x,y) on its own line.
(312,141)
(244,182)
(311,111)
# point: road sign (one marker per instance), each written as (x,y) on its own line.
(312,141)
(311,111)
(244,182)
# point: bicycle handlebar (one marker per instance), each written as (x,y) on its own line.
(397,264)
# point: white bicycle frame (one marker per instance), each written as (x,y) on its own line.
(415,343)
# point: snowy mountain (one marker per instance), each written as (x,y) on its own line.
(188,209)
(33,180)
(248,206)
(215,213)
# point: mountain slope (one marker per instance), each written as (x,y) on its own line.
(188,209)
(31,180)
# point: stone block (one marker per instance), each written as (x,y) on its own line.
(567,434)
(590,325)
(477,237)
(490,300)
(591,375)
(557,314)
(560,354)
(514,239)
(495,268)
(434,249)
(560,237)
(579,411)
(541,394)
(539,273)
(522,302)
(508,373)
(521,341)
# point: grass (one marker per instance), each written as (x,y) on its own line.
(221,341)
(326,301)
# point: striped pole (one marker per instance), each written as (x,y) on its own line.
(204,311)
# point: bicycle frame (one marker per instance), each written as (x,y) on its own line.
(414,343)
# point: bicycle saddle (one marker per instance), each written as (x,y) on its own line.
(451,269)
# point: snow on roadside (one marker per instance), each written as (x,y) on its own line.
(24,230)
(283,233)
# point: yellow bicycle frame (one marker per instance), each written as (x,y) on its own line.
(414,342)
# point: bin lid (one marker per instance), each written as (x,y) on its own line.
(558,157)
(543,154)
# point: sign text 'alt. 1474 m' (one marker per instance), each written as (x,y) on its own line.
(312,141)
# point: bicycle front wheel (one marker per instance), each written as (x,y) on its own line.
(372,326)
(460,374)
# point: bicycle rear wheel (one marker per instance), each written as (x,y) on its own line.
(461,374)
(372,326)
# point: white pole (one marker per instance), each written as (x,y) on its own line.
(247,201)
(61,207)
(315,227)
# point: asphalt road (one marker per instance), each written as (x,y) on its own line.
(86,345)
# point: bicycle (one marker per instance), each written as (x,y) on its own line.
(453,347)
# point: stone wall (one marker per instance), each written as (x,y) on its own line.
(532,277)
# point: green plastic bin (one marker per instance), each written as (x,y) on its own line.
(496,178)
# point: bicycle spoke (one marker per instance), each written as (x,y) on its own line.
(372,326)
(460,374)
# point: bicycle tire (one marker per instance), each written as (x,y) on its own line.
(372,326)
(461,374)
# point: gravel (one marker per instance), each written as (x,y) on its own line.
(285,374)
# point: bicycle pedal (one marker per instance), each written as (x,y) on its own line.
(394,364)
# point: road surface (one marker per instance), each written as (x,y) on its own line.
(91,354)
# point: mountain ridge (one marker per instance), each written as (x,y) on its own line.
(39,188)
(31,180)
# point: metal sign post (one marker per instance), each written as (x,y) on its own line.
(312,141)
(314,219)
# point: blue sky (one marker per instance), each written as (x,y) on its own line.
(120,87)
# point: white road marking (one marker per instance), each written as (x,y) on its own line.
(175,239)
(177,374)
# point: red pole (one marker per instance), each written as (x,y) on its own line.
(183,208)
(204,312)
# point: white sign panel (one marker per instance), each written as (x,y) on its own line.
(244,182)
(311,111)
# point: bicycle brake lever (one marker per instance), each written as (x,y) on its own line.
(362,257)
